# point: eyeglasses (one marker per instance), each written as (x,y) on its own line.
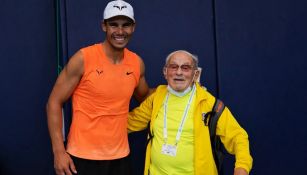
(184,67)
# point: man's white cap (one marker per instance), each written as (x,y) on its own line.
(118,8)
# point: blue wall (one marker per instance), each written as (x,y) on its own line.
(255,63)
(28,70)
(262,48)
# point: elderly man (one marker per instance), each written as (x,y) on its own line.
(180,141)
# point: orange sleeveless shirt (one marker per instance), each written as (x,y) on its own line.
(101,105)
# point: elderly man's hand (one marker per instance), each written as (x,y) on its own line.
(240,171)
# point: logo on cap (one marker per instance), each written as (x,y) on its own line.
(119,7)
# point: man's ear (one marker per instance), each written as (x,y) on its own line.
(103,26)
(196,76)
(133,28)
(164,72)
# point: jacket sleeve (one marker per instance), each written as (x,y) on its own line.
(235,140)
(139,117)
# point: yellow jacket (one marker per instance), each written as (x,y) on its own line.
(234,138)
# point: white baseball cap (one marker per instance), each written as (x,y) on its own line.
(118,8)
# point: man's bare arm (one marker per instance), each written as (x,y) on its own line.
(142,90)
(62,90)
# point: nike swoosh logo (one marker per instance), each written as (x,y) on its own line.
(128,73)
(99,71)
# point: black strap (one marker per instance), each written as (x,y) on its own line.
(217,109)
(210,119)
(149,134)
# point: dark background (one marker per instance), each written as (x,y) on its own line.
(253,55)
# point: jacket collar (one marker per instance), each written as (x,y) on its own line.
(201,92)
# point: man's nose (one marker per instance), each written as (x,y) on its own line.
(179,71)
(120,29)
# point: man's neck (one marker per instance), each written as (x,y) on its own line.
(181,93)
(113,54)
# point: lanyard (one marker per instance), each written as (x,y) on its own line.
(184,117)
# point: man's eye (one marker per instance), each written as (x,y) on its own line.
(173,66)
(186,67)
(127,24)
(113,24)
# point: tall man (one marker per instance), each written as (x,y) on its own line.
(180,142)
(101,79)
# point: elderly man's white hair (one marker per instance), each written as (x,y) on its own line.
(194,57)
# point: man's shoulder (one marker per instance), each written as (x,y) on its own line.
(160,90)
(162,87)
(203,93)
(131,54)
(201,88)
(91,47)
